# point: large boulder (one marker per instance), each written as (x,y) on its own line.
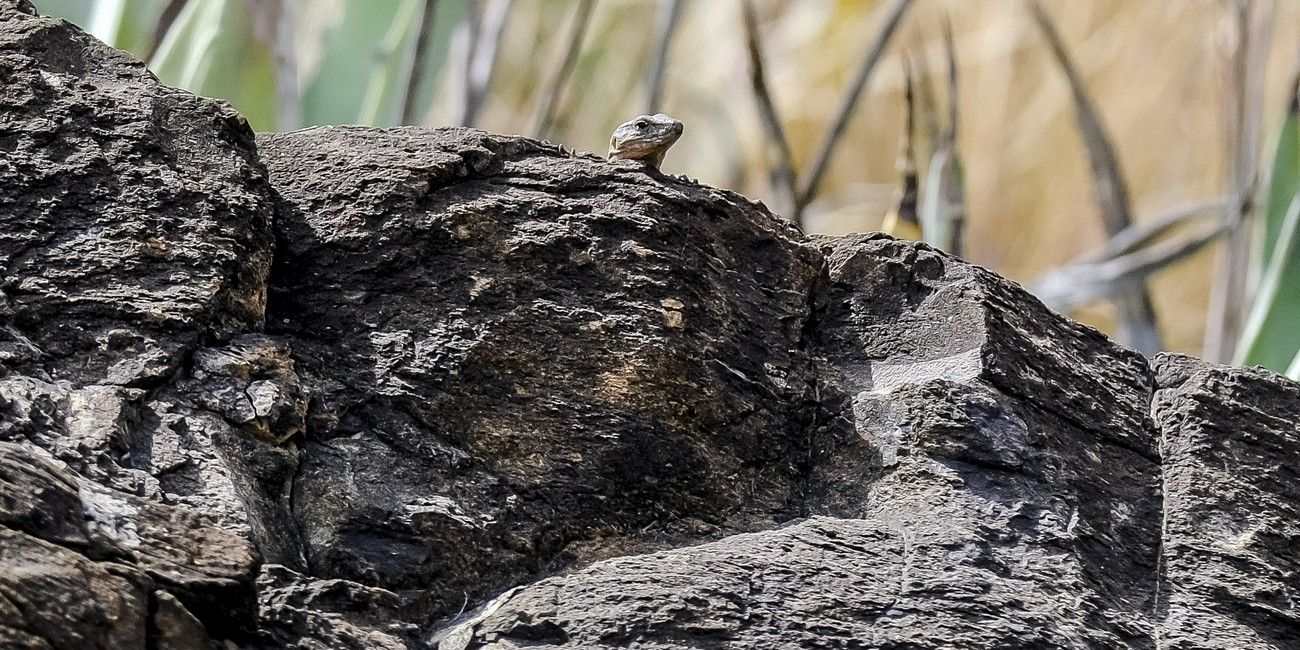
(135,233)
(520,358)
(408,388)
(985,475)
(135,230)
(134,218)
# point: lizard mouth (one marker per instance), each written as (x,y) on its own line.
(639,150)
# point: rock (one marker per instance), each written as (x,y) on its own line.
(495,394)
(824,582)
(173,627)
(251,384)
(134,230)
(988,427)
(52,597)
(970,494)
(133,214)
(135,239)
(521,360)
(1232,505)
(81,560)
(223,439)
(300,612)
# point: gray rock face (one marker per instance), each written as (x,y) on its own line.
(507,381)
(409,388)
(135,229)
(1000,433)
(135,216)
(1231,446)
(969,491)
(84,565)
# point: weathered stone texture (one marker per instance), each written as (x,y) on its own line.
(1231,444)
(521,359)
(135,230)
(968,492)
(406,388)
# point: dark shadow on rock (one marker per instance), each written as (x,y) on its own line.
(522,360)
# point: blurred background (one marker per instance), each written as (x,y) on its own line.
(1132,162)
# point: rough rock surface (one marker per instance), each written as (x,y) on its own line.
(135,229)
(519,360)
(968,485)
(359,388)
(84,565)
(1231,448)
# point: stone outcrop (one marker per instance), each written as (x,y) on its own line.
(1231,449)
(985,474)
(409,388)
(519,360)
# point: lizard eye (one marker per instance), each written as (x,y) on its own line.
(642,124)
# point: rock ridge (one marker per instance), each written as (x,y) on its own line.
(404,388)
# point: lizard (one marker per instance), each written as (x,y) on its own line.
(645,138)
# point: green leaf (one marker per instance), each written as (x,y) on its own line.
(1271,337)
(212,50)
(126,24)
(1284,180)
(365,63)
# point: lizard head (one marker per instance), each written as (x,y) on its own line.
(645,138)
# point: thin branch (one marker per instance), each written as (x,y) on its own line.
(782,174)
(562,67)
(1137,318)
(274,29)
(874,52)
(165,20)
(1073,286)
(954,194)
(928,127)
(1228,298)
(901,221)
(1080,281)
(464,43)
(1144,232)
(483,53)
(416,78)
(665,27)
(284,55)
(1112,190)
(943,198)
